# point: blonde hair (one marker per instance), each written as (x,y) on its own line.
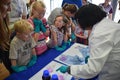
(35,5)
(23,26)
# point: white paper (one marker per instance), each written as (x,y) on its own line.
(69,57)
(52,67)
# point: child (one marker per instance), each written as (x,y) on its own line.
(82,36)
(58,33)
(40,32)
(71,30)
(22,51)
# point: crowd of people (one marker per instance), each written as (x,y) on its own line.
(80,22)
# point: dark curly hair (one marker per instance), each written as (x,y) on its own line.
(88,15)
(70,7)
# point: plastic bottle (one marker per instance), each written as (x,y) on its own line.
(46,75)
(54,77)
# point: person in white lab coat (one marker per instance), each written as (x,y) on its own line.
(104,44)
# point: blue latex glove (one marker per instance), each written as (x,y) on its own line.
(38,25)
(32,61)
(69,42)
(73,36)
(63,69)
(86,59)
(64,45)
(18,68)
(59,48)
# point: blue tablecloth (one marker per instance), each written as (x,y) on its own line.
(42,61)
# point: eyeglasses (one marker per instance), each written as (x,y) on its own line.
(41,13)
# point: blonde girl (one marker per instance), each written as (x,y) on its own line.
(38,9)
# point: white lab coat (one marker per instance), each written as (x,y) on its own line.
(104,43)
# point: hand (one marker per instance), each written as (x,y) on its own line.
(18,68)
(36,22)
(73,36)
(69,42)
(86,59)
(63,69)
(47,32)
(64,45)
(32,61)
(59,48)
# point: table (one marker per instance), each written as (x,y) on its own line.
(42,61)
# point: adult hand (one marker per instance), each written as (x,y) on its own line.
(63,69)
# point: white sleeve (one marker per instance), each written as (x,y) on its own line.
(13,51)
(100,47)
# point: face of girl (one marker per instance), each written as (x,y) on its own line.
(59,22)
(40,13)
(5,7)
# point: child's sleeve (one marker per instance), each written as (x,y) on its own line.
(39,26)
(13,51)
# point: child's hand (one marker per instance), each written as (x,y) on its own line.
(69,42)
(73,36)
(18,68)
(32,61)
(64,45)
(59,48)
